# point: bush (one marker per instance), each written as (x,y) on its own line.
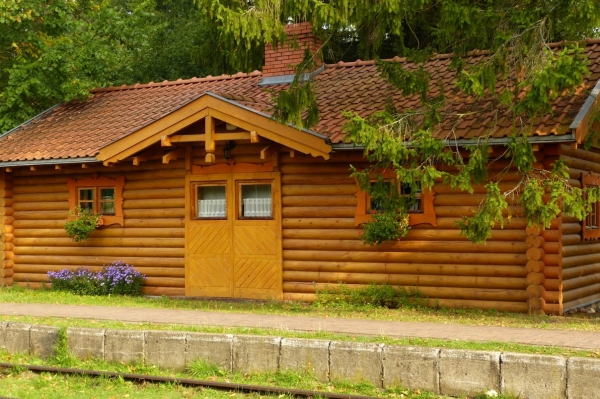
(118,278)
(82,225)
(374,295)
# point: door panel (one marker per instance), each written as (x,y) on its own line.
(237,257)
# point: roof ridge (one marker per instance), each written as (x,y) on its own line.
(208,78)
(472,53)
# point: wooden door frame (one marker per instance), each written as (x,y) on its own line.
(231,180)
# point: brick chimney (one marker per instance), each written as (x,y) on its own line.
(281,61)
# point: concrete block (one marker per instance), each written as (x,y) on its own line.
(212,348)
(534,376)
(16,337)
(356,362)
(166,349)
(411,367)
(86,343)
(465,372)
(124,346)
(305,355)
(255,354)
(583,378)
(43,341)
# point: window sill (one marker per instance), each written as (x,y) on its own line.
(413,219)
(106,220)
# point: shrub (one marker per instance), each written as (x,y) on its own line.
(82,225)
(374,295)
(118,278)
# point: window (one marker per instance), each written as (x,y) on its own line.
(255,201)
(211,201)
(99,195)
(421,209)
(591,223)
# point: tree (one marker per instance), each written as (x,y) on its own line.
(514,34)
(53,51)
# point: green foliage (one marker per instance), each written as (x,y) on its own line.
(373,295)
(83,224)
(478,228)
(385,226)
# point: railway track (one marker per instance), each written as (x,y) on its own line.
(302,393)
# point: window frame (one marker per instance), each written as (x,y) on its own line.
(238,196)
(425,216)
(591,179)
(217,183)
(97,184)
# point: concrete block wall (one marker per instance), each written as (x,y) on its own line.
(443,371)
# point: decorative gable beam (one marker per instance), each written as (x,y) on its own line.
(209,141)
(173,155)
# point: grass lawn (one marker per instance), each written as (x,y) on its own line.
(579,321)
(25,384)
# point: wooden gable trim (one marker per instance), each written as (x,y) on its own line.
(209,106)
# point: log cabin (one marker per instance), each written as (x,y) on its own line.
(202,191)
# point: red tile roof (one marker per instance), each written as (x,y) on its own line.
(81,129)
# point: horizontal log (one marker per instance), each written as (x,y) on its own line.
(459,211)
(405,257)
(165,282)
(535,266)
(582,164)
(553,308)
(571,239)
(551,235)
(535,278)
(42,196)
(154,184)
(477,189)
(552,284)
(553,272)
(582,281)
(429,292)
(316,200)
(571,228)
(116,252)
(41,206)
(100,260)
(413,234)
(581,301)
(33,180)
(154,213)
(148,271)
(552,248)
(407,280)
(8,237)
(318,223)
(579,271)
(128,223)
(317,179)
(580,260)
(41,189)
(569,219)
(6,202)
(575,173)
(150,166)
(41,215)
(553,260)
(321,168)
(307,190)
(582,249)
(319,211)
(405,268)
(465,199)
(535,291)
(154,203)
(8,273)
(8,246)
(429,246)
(166,291)
(111,231)
(580,153)
(158,193)
(154,223)
(176,170)
(6,211)
(94,241)
(8,264)
(578,293)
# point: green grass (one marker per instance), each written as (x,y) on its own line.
(24,384)
(435,343)
(578,322)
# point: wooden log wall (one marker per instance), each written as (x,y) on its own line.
(321,243)
(152,238)
(580,269)
(6,229)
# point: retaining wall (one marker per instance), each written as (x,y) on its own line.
(444,371)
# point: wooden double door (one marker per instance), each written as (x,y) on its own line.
(233,235)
